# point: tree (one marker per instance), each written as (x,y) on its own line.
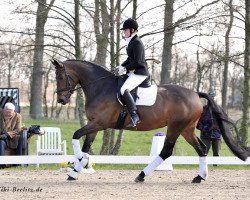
(78,55)
(227,54)
(168,41)
(37,74)
(246,90)
(169,31)
(101,27)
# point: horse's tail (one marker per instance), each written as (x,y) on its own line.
(226,125)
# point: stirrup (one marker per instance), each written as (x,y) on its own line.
(133,123)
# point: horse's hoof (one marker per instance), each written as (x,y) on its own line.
(198,179)
(139,179)
(71,178)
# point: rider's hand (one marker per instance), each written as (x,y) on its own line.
(121,70)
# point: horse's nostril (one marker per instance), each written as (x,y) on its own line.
(60,101)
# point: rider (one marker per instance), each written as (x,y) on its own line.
(135,67)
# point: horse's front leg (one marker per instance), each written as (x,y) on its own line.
(82,156)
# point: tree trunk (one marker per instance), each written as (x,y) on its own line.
(176,64)
(246,92)
(46,84)
(9,66)
(58,110)
(227,45)
(199,71)
(52,105)
(169,31)
(112,34)
(134,9)
(78,55)
(101,31)
(37,74)
(115,150)
(118,34)
(105,149)
(167,43)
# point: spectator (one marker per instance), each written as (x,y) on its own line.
(10,128)
(210,132)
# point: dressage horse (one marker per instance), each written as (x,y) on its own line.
(176,107)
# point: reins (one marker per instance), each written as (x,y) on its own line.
(69,88)
(99,79)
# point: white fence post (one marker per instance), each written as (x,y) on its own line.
(157,145)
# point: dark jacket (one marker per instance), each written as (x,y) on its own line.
(208,125)
(136,57)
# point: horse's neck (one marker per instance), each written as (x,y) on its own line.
(99,89)
(90,73)
(94,81)
(85,72)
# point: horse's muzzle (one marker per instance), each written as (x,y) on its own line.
(63,100)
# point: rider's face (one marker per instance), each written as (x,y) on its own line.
(127,32)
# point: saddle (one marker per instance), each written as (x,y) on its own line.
(144,95)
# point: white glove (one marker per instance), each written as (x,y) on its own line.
(121,70)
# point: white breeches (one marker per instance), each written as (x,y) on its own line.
(132,82)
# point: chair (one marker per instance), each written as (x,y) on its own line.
(50,142)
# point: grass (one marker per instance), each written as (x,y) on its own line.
(134,143)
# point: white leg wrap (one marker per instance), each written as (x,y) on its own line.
(73,174)
(84,161)
(203,170)
(79,165)
(84,157)
(153,165)
(77,149)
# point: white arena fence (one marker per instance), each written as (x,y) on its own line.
(108,159)
(157,144)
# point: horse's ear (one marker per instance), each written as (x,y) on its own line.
(56,63)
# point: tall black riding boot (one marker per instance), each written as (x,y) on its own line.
(131,109)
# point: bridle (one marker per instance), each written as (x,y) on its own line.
(69,87)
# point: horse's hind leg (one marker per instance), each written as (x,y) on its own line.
(200,148)
(166,152)
(88,142)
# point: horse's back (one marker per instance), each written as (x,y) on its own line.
(178,94)
(179,101)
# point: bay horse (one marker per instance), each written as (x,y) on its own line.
(176,107)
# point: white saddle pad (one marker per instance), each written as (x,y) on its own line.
(147,96)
